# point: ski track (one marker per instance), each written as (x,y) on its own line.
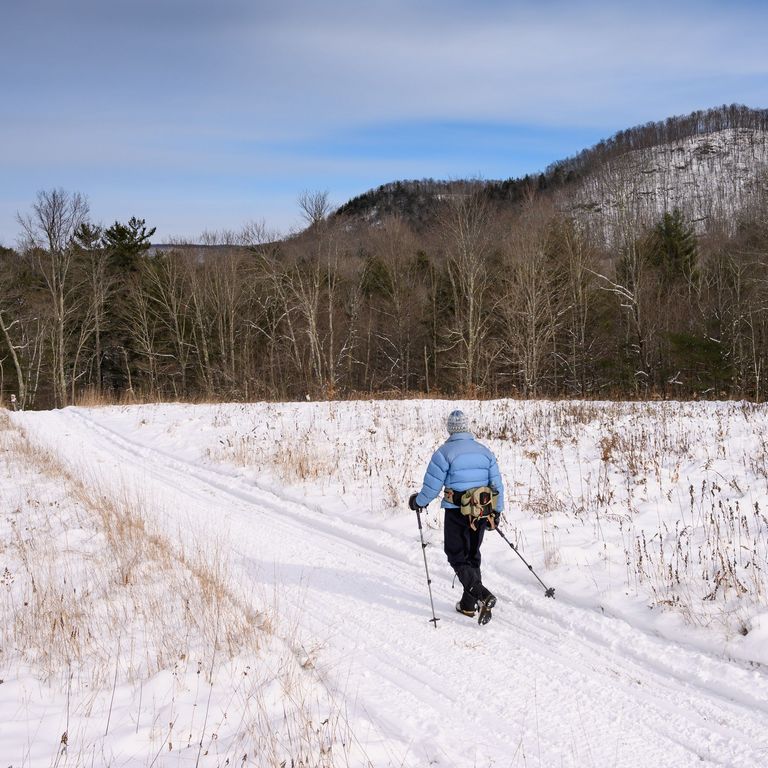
(546,683)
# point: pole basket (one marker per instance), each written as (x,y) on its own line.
(548,591)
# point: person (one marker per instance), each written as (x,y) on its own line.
(461,464)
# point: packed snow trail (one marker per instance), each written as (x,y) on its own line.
(546,683)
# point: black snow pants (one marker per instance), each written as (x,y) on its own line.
(461,543)
(462,547)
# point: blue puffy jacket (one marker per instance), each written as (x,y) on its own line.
(460,463)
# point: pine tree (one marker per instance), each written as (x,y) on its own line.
(127,242)
(672,247)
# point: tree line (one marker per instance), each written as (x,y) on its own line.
(486,301)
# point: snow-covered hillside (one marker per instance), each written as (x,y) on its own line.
(710,176)
(650,520)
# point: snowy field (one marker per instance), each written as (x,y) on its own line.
(243,585)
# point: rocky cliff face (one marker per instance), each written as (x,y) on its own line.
(708,177)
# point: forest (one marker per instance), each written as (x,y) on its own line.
(473,289)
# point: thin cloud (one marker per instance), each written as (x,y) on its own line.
(96,90)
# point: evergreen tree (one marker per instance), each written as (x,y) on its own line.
(124,245)
(672,247)
(127,242)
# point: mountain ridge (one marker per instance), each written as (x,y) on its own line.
(580,184)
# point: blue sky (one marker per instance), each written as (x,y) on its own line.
(202,115)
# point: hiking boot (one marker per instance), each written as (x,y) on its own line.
(484,595)
(467,605)
(486,600)
(484,614)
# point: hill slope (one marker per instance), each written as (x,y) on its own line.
(708,164)
(707,177)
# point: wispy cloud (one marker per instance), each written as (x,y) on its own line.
(332,95)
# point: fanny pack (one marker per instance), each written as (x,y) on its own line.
(476,504)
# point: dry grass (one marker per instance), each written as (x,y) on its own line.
(96,598)
(708,561)
(95,569)
(703,552)
(325,450)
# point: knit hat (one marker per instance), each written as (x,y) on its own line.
(457,421)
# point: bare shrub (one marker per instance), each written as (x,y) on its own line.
(98,597)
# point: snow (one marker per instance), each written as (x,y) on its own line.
(707,177)
(649,520)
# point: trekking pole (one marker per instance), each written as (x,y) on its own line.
(434,618)
(548,591)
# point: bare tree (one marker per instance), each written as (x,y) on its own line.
(466,226)
(5,328)
(10,322)
(314,206)
(230,301)
(395,296)
(274,317)
(48,241)
(143,328)
(576,262)
(100,286)
(165,319)
(531,311)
